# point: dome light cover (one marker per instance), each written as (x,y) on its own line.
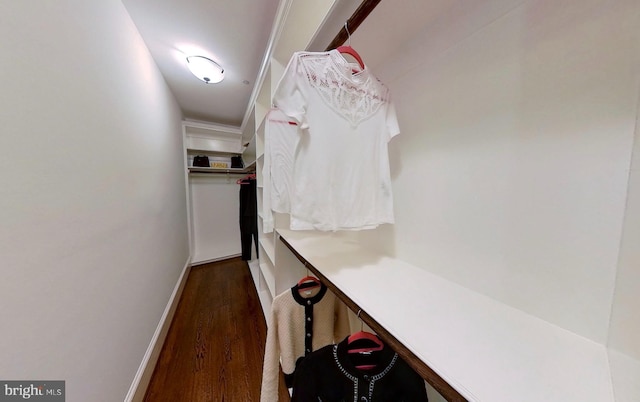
(205,69)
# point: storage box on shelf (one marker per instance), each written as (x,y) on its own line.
(218,163)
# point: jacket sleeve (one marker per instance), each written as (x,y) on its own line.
(271,365)
(414,386)
(304,383)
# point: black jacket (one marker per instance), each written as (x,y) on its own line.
(330,375)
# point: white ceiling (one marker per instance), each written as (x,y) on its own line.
(235,33)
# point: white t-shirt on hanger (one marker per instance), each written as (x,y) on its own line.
(340,178)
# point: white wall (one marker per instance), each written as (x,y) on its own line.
(215,216)
(511,172)
(625,316)
(93,226)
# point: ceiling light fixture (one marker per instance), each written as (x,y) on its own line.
(205,69)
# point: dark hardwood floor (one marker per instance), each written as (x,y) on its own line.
(215,345)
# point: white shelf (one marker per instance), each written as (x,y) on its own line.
(269,277)
(302,22)
(260,138)
(268,246)
(219,170)
(486,350)
(249,153)
(209,152)
(205,137)
(265,302)
(254,268)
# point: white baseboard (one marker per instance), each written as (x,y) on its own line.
(145,371)
(207,261)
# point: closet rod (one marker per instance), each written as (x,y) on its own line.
(358,16)
(440,385)
(234,171)
(202,172)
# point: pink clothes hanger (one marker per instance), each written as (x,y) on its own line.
(252,176)
(364,342)
(347,49)
(351,51)
(362,346)
(308,282)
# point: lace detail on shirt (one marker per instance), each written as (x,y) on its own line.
(355,98)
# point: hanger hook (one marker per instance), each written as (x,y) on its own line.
(346,28)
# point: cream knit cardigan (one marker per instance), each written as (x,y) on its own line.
(286,334)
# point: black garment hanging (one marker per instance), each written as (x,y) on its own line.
(299,323)
(248,217)
(330,374)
